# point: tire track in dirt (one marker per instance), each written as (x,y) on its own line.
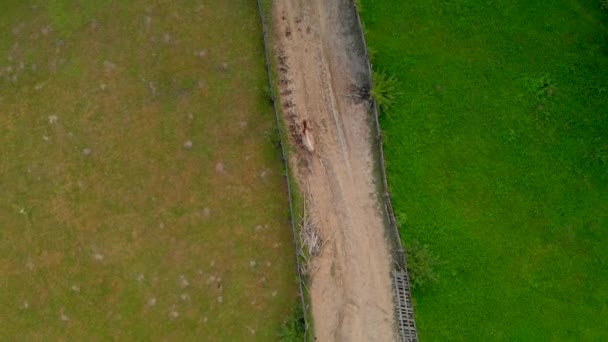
(351,291)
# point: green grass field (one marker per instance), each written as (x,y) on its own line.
(141,195)
(497,154)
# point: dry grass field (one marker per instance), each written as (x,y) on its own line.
(140,189)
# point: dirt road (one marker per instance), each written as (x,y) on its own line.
(319,58)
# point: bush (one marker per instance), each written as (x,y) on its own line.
(421,265)
(294,327)
(384,90)
(267,93)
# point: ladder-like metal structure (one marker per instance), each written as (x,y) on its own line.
(405,310)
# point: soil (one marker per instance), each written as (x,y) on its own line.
(321,59)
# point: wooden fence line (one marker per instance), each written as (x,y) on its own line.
(403,298)
(292,217)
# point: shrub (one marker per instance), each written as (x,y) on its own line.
(384,90)
(267,93)
(421,265)
(294,327)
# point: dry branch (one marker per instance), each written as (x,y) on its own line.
(310,240)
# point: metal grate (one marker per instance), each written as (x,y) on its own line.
(405,310)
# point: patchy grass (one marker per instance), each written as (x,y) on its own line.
(497,154)
(141,195)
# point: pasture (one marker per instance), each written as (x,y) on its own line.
(141,188)
(497,157)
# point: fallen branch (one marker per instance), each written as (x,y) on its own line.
(310,240)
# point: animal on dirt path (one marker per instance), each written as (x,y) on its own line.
(307,138)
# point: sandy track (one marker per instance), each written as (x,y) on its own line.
(317,49)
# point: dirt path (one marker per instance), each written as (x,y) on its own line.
(318,62)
